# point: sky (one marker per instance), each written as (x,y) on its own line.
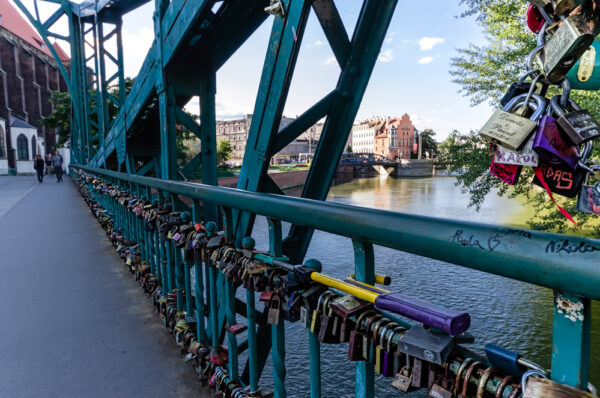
(411,75)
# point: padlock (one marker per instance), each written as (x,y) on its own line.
(563,7)
(327,329)
(381,352)
(378,324)
(542,387)
(535,19)
(355,345)
(524,157)
(483,380)
(274,310)
(585,75)
(578,124)
(509,130)
(315,323)
(390,357)
(367,346)
(437,391)
(403,380)
(552,144)
(565,47)
(563,180)
(419,374)
(589,199)
(471,371)
(507,173)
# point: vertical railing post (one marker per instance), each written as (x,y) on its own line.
(571,340)
(314,346)
(200,327)
(277,331)
(364,268)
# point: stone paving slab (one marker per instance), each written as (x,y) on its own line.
(74,322)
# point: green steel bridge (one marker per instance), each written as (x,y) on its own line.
(193,39)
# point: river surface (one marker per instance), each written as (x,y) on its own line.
(508,313)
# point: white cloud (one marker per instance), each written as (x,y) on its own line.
(331,60)
(386,56)
(318,43)
(425,60)
(427,43)
(390,37)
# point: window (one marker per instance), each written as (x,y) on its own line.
(33,147)
(22,148)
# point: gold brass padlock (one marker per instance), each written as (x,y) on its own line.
(509,130)
(568,44)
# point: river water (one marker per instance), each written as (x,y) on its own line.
(508,313)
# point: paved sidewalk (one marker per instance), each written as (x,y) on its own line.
(12,189)
(74,322)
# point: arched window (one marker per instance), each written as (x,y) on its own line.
(33,147)
(22,147)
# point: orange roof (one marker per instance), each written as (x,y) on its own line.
(12,20)
(61,53)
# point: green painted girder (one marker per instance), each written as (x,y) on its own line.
(222,40)
(368,37)
(280,61)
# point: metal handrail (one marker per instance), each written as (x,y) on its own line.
(566,263)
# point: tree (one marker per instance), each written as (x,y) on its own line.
(484,74)
(224,150)
(60,119)
(429,143)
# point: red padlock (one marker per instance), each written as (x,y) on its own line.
(535,19)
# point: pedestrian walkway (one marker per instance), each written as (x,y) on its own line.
(74,323)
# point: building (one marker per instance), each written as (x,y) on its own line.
(28,75)
(236,132)
(393,138)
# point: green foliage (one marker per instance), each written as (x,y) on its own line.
(60,119)
(429,144)
(224,150)
(484,73)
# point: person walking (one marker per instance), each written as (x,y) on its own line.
(48,163)
(57,163)
(38,165)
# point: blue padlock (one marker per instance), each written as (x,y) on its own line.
(509,361)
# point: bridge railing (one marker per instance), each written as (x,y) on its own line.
(567,264)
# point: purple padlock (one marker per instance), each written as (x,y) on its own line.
(553,146)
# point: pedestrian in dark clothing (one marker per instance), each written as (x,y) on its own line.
(57,163)
(38,165)
(49,164)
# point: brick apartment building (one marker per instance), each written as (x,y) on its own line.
(28,75)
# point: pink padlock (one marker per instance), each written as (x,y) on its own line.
(535,19)
(508,173)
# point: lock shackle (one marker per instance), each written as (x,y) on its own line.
(528,374)
(538,105)
(387,328)
(322,297)
(532,55)
(378,324)
(361,318)
(532,89)
(393,333)
(566,93)
(541,37)
(586,152)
